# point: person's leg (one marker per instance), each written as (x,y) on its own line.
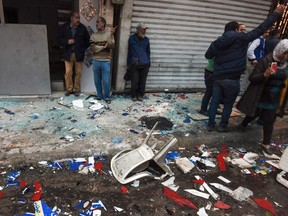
(68,75)
(231,89)
(268,117)
(97,78)
(143,72)
(208,91)
(77,80)
(134,81)
(215,101)
(106,79)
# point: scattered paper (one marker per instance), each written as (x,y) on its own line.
(202,212)
(170,184)
(198,193)
(224,179)
(184,164)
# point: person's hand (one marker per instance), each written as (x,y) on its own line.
(112,30)
(268,72)
(71,41)
(280,9)
(105,46)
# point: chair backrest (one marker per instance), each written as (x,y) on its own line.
(283,164)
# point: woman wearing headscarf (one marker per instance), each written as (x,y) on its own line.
(262,97)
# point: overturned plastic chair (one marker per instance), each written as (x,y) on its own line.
(283,164)
(130,165)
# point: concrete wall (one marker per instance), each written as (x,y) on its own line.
(24,60)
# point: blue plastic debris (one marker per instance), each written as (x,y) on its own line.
(116,140)
(79,205)
(164,132)
(171,155)
(74,166)
(29,214)
(12,176)
(41,208)
(81,135)
(134,131)
(187,120)
(34,116)
(98,204)
(12,184)
(125,113)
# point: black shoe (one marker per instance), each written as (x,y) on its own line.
(211,128)
(134,99)
(140,98)
(77,94)
(223,129)
(68,93)
(205,113)
(108,101)
(266,149)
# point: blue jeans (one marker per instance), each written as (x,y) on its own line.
(102,76)
(225,91)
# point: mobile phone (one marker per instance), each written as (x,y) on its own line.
(274,67)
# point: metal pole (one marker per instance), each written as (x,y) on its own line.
(2,19)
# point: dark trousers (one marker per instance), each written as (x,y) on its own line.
(138,80)
(268,117)
(208,91)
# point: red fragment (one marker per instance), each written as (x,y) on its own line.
(178,199)
(221,162)
(265,204)
(182,96)
(37,192)
(199,181)
(148,110)
(1,195)
(98,166)
(23,183)
(124,189)
(221,205)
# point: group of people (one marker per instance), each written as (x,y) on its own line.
(227,58)
(75,39)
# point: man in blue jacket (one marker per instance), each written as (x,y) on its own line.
(138,61)
(229,52)
(74,38)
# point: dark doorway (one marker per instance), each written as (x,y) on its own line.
(51,13)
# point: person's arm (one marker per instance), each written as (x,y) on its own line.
(96,47)
(257,32)
(110,38)
(148,52)
(86,38)
(250,53)
(210,53)
(261,72)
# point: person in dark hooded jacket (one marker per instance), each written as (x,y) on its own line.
(230,54)
(262,97)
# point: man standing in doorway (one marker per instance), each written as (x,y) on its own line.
(74,38)
(102,42)
(138,61)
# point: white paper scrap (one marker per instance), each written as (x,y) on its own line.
(118,209)
(78,104)
(221,187)
(224,179)
(184,164)
(198,193)
(202,212)
(170,184)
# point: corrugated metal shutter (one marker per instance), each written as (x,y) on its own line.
(181,31)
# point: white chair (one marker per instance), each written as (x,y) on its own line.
(283,164)
(130,165)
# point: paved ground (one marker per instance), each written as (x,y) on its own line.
(34,129)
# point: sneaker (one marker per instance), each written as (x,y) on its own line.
(205,113)
(211,128)
(68,93)
(140,98)
(223,129)
(266,149)
(77,94)
(134,99)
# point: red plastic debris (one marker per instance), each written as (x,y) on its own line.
(148,110)
(124,189)
(1,195)
(199,181)
(178,199)
(23,183)
(98,166)
(37,192)
(221,162)
(182,96)
(265,204)
(221,205)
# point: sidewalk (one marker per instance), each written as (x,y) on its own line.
(42,128)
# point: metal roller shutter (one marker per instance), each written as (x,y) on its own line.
(181,31)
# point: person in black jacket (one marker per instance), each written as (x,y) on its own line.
(229,53)
(74,38)
(262,97)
